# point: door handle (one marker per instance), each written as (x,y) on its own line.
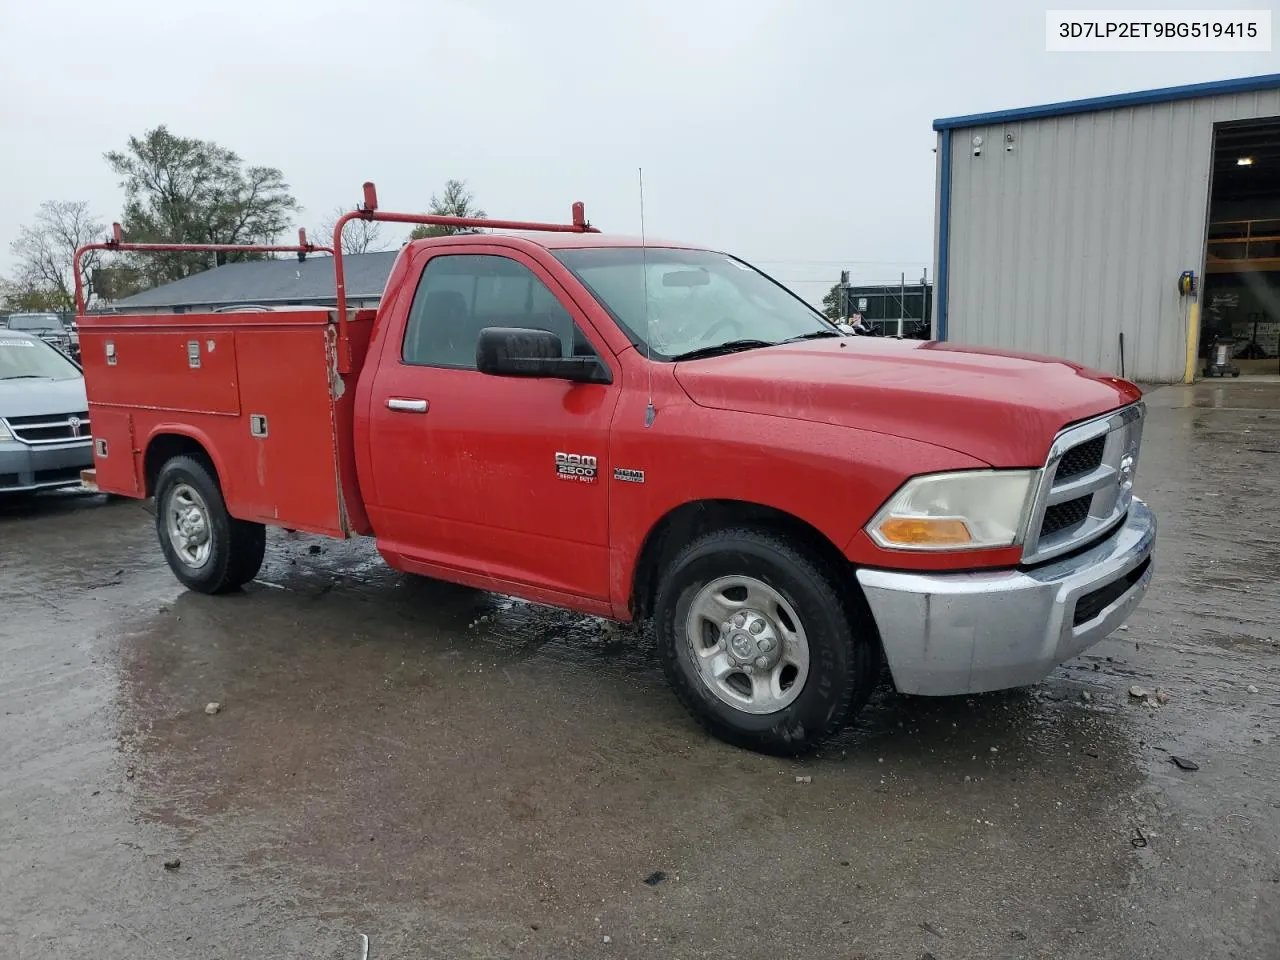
(406,406)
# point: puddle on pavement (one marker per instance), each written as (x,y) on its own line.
(355,688)
(412,742)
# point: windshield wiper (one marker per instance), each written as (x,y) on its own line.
(817,334)
(27,376)
(729,346)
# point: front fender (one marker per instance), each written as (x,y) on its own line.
(831,478)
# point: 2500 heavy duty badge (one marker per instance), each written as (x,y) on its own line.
(576,466)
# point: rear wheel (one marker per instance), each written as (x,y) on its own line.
(208,549)
(760,644)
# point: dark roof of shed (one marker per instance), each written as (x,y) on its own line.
(1189,91)
(270,282)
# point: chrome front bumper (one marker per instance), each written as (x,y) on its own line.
(24,467)
(947,634)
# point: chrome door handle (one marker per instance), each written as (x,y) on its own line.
(406,406)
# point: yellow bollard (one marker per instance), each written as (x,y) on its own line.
(1193,342)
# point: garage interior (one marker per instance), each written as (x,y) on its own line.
(1240,303)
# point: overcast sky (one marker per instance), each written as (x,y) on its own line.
(796,134)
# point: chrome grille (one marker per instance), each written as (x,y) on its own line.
(1087,483)
(50,428)
(1080,460)
(1060,516)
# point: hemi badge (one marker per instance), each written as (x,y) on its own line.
(628,476)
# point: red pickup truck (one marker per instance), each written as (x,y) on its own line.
(649,430)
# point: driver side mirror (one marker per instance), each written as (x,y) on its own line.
(520,352)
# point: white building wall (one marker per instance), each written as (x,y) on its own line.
(1079,232)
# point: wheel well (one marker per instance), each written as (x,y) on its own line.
(164,447)
(692,520)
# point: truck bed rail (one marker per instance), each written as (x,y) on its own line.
(367,210)
(118,243)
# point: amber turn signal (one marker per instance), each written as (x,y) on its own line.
(925,531)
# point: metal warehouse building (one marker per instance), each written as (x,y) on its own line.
(1064,229)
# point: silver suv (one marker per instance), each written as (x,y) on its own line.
(45,440)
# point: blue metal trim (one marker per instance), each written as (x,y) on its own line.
(944,234)
(1270,81)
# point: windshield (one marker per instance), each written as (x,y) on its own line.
(38,322)
(24,357)
(697,301)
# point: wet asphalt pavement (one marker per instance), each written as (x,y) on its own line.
(457,774)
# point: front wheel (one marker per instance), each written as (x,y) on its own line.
(760,643)
(208,549)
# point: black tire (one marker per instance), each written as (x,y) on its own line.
(843,650)
(236,547)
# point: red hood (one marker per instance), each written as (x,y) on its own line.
(1002,408)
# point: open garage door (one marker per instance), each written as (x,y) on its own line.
(1240,303)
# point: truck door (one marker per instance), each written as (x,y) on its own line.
(471,468)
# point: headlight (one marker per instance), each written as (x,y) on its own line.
(970,510)
(4,432)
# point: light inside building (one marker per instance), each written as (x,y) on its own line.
(1239,321)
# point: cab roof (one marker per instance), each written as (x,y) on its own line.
(564,241)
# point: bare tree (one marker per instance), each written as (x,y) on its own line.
(45,252)
(359,236)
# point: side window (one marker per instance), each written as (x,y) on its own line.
(461,294)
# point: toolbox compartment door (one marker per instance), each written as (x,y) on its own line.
(114,455)
(287,470)
(181,371)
